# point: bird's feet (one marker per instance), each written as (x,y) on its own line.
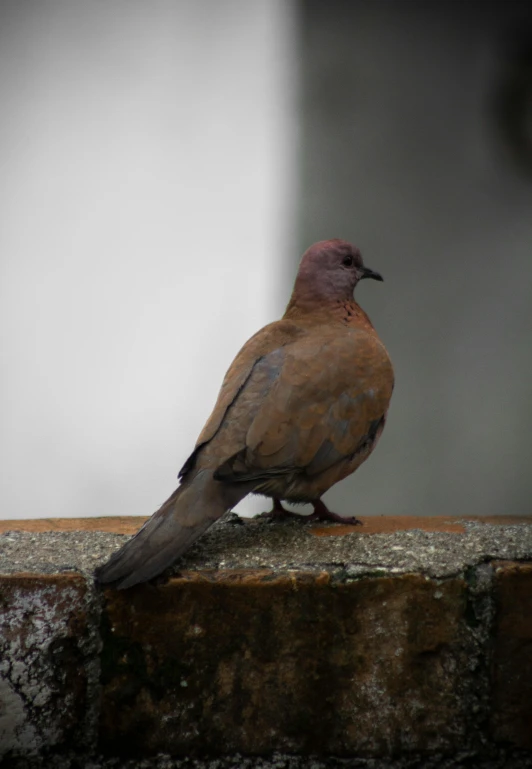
(280,513)
(321,513)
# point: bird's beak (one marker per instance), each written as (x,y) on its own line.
(367,273)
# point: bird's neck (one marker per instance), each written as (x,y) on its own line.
(345,312)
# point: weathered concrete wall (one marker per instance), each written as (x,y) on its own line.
(301,662)
(512,655)
(48,663)
(283,640)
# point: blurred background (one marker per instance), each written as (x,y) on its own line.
(164,165)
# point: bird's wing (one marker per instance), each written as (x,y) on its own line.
(265,342)
(326,398)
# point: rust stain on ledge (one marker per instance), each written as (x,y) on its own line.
(388,524)
(114,524)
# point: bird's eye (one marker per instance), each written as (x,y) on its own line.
(347,261)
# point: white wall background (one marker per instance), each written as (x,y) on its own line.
(146,208)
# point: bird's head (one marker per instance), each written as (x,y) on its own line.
(330,270)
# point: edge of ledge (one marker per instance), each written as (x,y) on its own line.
(123,524)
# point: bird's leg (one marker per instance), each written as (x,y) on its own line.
(278,508)
(278,512)
(322,513)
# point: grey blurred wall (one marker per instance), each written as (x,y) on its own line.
(401,154)
(148,194)
(146,208)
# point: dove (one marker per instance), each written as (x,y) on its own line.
(301,407)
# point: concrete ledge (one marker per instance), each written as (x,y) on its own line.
(400,641)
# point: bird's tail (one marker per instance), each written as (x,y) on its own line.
(191,509)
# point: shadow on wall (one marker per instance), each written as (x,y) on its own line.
(513,97)
(417,141)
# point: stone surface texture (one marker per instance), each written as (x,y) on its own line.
(369,667)
(45,664)
(271,645)
(512,654)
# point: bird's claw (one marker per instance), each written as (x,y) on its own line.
(321,513)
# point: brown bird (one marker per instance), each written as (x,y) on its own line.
(302,406)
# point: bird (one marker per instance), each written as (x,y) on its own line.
(301,407)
